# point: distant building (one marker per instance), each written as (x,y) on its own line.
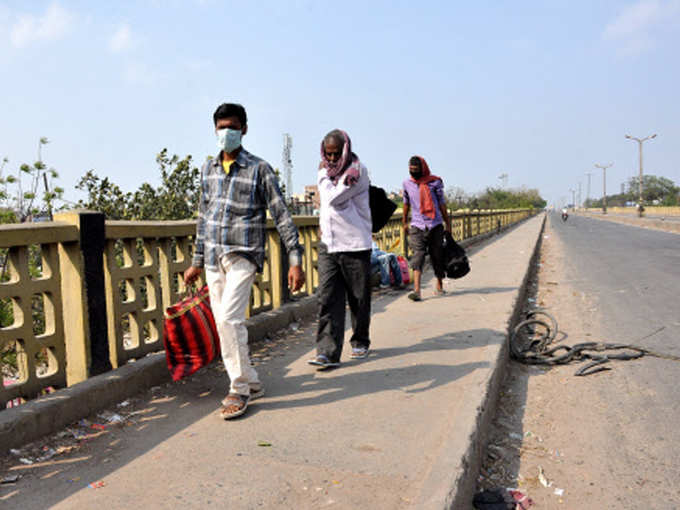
(312,195)
(307,203)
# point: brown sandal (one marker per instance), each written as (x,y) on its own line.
(234,405)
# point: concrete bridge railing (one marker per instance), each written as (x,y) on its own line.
(80,296)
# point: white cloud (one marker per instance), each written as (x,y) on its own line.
(121,40)
(637,27)
(53,25)
(634,19)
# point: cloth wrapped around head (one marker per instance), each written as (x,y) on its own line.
(347,165)
(427,201)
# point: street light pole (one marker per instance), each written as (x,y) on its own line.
(588,188)
(604,185)
(640,141)
(573,198)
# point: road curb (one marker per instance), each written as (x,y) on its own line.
(460,482)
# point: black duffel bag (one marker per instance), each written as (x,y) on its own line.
(457,264)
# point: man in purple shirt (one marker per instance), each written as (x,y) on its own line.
(424,198)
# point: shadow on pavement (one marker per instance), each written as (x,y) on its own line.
(483,290)
(334,385)
(341,387)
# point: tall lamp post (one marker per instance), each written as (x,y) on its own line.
(573,198)
(640,141)
(604,185)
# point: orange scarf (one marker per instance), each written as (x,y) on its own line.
(427,203)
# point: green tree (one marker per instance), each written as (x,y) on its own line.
(28,201)
(654,189)
(456,198)
(7,214)
(104,196)
(175,198)
(497,198)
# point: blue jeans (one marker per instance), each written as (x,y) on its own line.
(386,262)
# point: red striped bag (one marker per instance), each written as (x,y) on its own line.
(190,336)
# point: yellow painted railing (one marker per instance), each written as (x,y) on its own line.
(79,296)
(36,266)
(143,263)
(465,223)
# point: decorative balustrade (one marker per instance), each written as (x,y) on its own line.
(32,332)
(80,296)
(143,264)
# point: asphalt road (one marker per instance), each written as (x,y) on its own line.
(631,278)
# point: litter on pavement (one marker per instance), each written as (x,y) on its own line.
(542,478)
(501,498)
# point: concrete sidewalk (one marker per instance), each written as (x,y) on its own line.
(400,429)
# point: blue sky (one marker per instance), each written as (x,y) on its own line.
(538,90)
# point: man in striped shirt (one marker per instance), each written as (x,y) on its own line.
(237,188)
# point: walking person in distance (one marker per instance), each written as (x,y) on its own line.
(424,198)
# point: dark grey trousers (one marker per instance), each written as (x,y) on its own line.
(343,274)
(429,242)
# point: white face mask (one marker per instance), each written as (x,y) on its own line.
(228,140)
